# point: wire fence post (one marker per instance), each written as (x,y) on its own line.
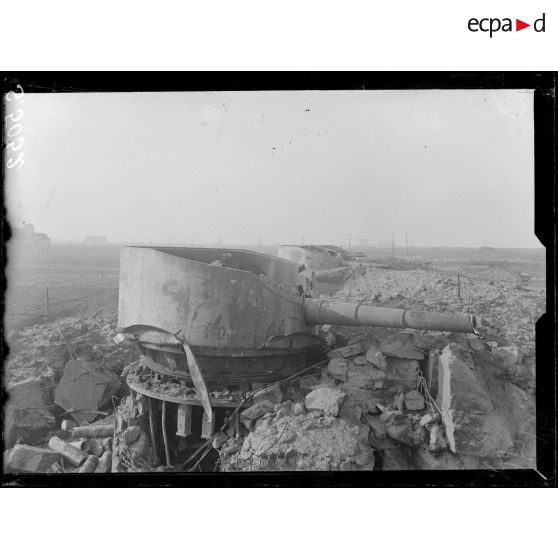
(46,302)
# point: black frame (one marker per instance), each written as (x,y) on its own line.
(544,85)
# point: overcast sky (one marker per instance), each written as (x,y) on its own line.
(452,168)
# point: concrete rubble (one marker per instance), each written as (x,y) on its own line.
(426,401)
(52,372)
(384,400)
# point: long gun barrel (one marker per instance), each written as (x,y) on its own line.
(319,312)
(240,312)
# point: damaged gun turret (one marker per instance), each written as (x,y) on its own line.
(243,314)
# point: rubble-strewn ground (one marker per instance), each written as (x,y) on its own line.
(34,350)
(386,399)
(424,400)
(506,312)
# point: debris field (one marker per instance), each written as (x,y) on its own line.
(380,399)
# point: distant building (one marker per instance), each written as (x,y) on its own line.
(26,238)
(95,240)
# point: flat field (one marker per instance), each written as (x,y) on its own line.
(79,281)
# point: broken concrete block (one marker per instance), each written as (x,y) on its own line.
(366,399)
(461,387)
(376,358)
(272,393)
(248,423)
(32,392)
(399,428)
(402,373)
(437,441)
(346,352)
(365,377)
(337,368)
(258,410)
(350,412)
(414,401)
(360,361)
(325,399)
(377,427)
(85,386)
(27,425)
(472,424)
(27,415)
(395,459)
(401,345)
(30,459)
(299,408)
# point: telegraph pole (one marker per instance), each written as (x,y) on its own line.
(259,243)
(406,246)
(393,245)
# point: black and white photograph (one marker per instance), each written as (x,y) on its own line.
(270,281)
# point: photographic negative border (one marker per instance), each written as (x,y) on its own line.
(544,86)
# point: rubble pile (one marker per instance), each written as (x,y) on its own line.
(132,448)
(57,375)
(395,401)
(79,449)
(35,350)
(507,313)
(383,399)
